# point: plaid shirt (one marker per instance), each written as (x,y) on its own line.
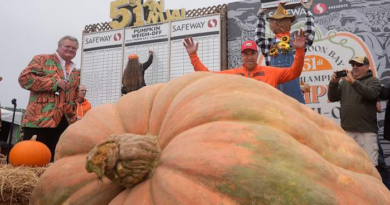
(265,43)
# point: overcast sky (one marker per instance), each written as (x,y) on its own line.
(31,27)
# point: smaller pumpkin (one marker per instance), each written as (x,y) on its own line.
(30,153)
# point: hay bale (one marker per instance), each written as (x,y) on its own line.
(17,183)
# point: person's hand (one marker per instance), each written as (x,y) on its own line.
(349,77)
(378,106)
(63,84)
(305,88)
(300,39)
(190,46)
(308,4)
(150,52)
(334,78)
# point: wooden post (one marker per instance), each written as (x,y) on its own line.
(224,63)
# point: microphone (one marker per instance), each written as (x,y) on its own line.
(13,101)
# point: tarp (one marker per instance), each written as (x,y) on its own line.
(6,116)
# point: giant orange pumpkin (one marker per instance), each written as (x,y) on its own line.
(30,153)
(222,139)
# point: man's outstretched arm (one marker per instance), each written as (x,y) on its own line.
(191,48)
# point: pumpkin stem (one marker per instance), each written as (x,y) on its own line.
(34,138)
(126,159)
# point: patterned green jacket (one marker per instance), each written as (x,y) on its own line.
(48,102)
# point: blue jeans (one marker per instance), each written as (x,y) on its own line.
(291,88)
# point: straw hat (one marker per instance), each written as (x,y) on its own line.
(281,13)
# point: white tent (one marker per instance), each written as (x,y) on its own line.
(6,116)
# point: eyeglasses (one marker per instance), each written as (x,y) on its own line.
(357,64)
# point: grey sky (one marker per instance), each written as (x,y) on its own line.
(31,27)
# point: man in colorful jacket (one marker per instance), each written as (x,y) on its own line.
(53,81)
(249,55)
(83,105)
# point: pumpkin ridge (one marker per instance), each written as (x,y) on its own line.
(153,107)
(92,131)
(134,109)
(64,184)
(167,95)
(187,180)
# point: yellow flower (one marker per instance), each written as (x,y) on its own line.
(285,47)
(273,51)
(285,39)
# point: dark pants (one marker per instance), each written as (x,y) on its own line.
(382,167)
(48,136)
(4,131)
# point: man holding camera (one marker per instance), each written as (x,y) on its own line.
(358,92)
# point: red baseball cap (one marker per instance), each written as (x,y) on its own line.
(249,45)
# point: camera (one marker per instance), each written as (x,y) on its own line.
(341,73)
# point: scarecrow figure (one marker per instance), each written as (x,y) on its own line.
(278,51)
(134,74)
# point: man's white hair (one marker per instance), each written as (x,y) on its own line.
(71,38)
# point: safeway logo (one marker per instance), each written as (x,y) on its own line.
(319,8)
(117,37)
(212,23)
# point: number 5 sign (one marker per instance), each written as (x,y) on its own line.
(126,8)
